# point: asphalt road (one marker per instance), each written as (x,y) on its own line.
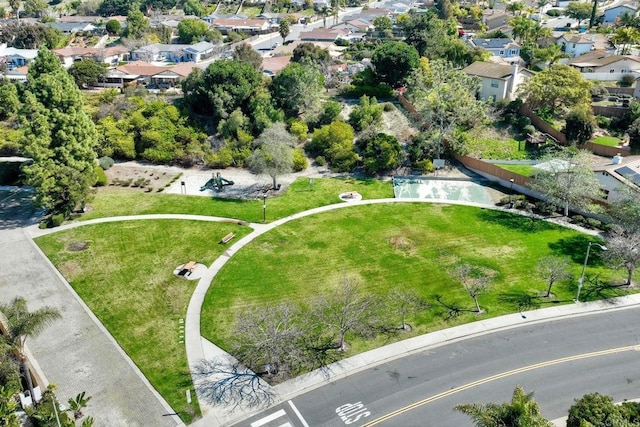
(556,360)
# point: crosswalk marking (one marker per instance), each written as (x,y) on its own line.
(269,418)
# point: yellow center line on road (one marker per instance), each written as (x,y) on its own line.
(497,377)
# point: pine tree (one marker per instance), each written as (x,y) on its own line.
(58,135)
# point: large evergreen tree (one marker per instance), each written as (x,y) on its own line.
(58,135)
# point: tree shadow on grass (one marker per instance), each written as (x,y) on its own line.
(596,289)
(575,247)
(524,301)
(516,222)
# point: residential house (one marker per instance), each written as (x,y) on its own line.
(198,52)
(272,65)
(17,74)
(576,44)
(611,14)
(251,26)
(323,35)
(214,16)
(144,73)
(601,66)
(495,20)
(15,58)
(355,26)
(498,81)
(504,48)
(159,53)
(620,173)
(68,28)
(107,55)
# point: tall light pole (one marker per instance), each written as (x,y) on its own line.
(264,208)
(584,266)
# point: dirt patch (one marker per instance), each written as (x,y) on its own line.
(76,246)
(393,122)
(70,270)
(142,178)
(402,244)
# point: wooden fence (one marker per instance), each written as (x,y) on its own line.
(493,170)
(604,150)
(600,110)
(543,126)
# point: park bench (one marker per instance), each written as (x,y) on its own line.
(226,238)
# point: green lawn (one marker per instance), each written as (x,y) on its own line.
(497,149)
(126,278)
(111,201)
(251,12)
(524,170)
(300,259)
(610,141)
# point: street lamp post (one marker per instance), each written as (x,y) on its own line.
(264,208)
(584,266)
(511,194)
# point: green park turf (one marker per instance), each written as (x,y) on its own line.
(609,141)
(300,196)
(398,246)
(126,274)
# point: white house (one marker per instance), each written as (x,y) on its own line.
(355,26)
(198,52)
(576,44)
(499,81)
(611,14)
(68,28)
(622,172)
(241,25)
(598,65)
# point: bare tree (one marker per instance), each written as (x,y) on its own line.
(474,280)
(624,251)
(346,309)
(568,179)
(269,340)
(552,269)
(405,303)
(228,383)
(274,155)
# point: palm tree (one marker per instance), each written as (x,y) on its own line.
(515,7)
(550,54)
(522,411)
(22,324)
(324,12)
(521,27)
(627,19)
(625,37)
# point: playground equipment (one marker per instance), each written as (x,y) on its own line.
(216,183)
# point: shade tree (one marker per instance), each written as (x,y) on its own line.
(297,88)
(273,154)
(245,53)
(557,89)
(394,61)
(379,153)
(58,135)
(191,30)
(334,142)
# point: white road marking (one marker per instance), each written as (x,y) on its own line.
(269,418)
(298,414)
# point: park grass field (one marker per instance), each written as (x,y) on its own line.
(125,274)
(126,278)
(399,246)
(300,196)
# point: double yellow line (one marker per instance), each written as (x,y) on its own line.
(497,377)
